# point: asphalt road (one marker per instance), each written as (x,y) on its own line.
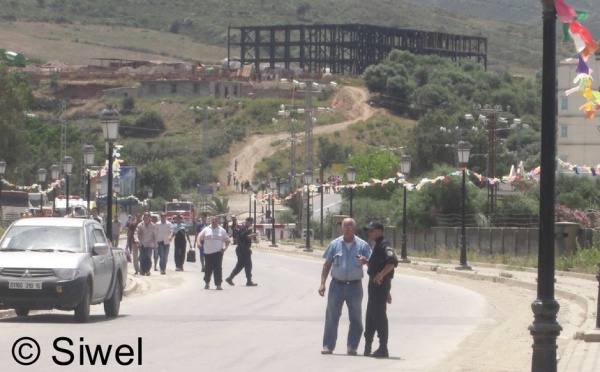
(176,325)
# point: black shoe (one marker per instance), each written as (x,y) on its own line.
(202,268)
(219,288)
(367,350)
(162,272)
(251,284)
(229,281)
(380,353)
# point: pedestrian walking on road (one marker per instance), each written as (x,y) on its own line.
(116,230)
(344,258)
(381,271)
(200,243)
(179,236)
(164,242)
(146,236)
(216,242)
(134,242)
(244,253)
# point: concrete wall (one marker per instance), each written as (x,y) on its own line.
(485,241)
(182,88)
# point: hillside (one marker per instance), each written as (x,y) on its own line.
(197,31)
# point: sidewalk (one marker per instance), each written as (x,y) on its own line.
(582,353)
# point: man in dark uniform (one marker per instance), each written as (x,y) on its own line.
(244,253)
(381,271)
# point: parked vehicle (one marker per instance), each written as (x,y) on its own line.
(60,263)
(14,204)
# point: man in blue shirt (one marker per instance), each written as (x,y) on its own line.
(344,258)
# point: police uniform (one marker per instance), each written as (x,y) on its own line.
(376,317)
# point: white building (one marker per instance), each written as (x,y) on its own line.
(578,138)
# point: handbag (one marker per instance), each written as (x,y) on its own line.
(128,254)
(191,256)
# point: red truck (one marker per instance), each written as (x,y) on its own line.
(185,208)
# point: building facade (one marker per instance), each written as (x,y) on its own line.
(578,138)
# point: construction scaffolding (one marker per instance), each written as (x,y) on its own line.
(346,49)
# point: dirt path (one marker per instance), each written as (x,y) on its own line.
(351,100)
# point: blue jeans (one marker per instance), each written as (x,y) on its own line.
(145,259)
(339,293)
(163,252)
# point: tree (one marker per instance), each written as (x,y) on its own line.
(150,124)
(218,206)
(161,176)
(378,164)
(329,152)
(12,118)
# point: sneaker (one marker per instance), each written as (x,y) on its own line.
(229,281)
(380,353)
(219,288)
(326,351)
(352,351)
(251,284)
(207,286)
(136,273)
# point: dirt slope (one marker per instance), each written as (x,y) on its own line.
(351,100)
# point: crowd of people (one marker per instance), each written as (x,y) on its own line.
(147,239)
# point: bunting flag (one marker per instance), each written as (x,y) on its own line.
(585,46)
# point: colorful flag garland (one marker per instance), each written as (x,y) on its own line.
(585,46)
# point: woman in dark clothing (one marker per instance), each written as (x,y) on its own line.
(179,236)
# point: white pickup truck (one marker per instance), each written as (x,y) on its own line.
(60,263)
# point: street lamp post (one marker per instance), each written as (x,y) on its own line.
(67,168)
(273,187)
(109,118)
(42,178)
(117,188)
(545,329)
(322,188)
(463,148)
(2,170)
(405,162)
(351,174)
(89,155)
(55,173)
(98,189)
(249,203)
(150,194)
(308,179)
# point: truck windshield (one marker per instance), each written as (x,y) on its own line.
(44,238)
(178,207)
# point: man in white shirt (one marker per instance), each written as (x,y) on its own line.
(216,242)
(164,242)
(146,238)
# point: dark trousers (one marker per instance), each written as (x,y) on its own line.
(244,261)
(376,318)
(214,263)
(179,253)
(145,259)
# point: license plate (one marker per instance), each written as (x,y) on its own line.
(24,285)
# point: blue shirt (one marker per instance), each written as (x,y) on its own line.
(345,264)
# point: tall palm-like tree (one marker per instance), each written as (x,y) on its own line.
(218,206)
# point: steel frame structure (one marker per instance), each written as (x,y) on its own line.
(346,49)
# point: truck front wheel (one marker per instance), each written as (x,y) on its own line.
(113,304)
(82,310)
